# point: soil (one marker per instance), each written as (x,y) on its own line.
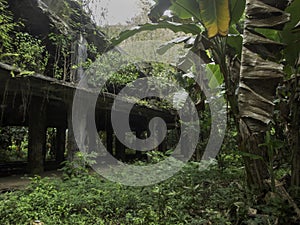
(18,182)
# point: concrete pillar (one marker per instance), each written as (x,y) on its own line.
(120,149)
(37,135)
(60,145)
(109,134)
(72,147)
(163,146)
(139,134)
(91,136)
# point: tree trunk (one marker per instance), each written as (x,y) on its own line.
(259,78)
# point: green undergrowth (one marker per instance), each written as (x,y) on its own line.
(213,196)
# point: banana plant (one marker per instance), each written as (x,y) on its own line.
(261,73)
(189,17)
(250,59)
(210,28)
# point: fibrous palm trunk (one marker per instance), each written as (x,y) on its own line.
(259,78)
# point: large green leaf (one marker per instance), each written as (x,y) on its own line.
(186,9)
(175,27)
(214,75)
(215,16)
(235,40)
(165,47)
(237,8)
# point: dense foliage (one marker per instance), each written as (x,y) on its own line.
(17,48)
(219,195)
(214,196)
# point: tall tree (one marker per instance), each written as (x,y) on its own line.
(260,75)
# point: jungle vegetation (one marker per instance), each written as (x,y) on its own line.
(252,48)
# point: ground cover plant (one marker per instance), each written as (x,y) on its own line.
(213,196)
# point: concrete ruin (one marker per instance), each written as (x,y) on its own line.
(40,101)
